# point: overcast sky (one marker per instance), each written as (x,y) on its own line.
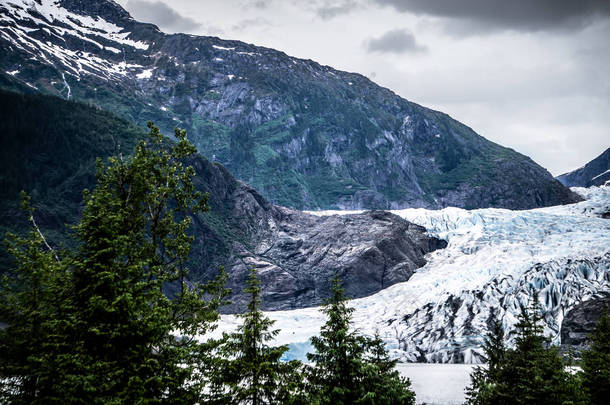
(533,75)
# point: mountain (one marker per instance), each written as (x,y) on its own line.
(494,261)
(306,136)
(594,173)
(49,150)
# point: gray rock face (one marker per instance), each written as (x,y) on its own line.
(306,136)
(580,321)
(296,253)
(301,253)
(594,173)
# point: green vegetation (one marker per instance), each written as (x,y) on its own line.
(350,368)
(50,149)
(252,371)
(93,324)
(596,363)
(531,373)
(111,318)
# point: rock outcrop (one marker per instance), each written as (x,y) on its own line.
(298,254)
(580,321)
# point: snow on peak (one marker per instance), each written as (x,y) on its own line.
(47,31)
(56,17)
(222,48)
(145,74)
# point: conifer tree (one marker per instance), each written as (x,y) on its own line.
(531,373)
(485,381)
(350,368)
(596,362)
(381,383)
(534,372)
(32,351)
(126,340)
(253,371)
(338,354)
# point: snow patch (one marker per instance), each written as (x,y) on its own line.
(249,53)
(146,74)
(81,26)
(601,174)
(222,48)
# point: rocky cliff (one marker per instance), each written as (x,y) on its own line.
(594,173)
(303,134)
(580,321)
(50,149)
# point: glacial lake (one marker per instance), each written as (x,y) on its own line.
(437,384)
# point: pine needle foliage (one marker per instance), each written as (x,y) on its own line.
(531,373)
(349,368)
(596,362)
(484,379)
(108,327)
(253,372)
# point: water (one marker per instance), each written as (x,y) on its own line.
(438,384)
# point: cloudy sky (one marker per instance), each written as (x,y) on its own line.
(533,75)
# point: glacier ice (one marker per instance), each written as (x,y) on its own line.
(494,260)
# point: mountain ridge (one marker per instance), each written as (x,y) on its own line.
(50,152)
(305,135)
(594,173)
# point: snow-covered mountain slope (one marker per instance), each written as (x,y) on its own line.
(78,44)
(495,260)
(594,173)
(304,135)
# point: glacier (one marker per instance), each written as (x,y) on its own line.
(494,261)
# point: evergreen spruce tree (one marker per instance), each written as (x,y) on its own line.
(596,363)
(338,356)
(532,373)
(117,337)
(485,381)
(381,382)
(253,372)
(34,354)
(349,368)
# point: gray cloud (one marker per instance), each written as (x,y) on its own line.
(394,41)
(261,3)
(162,15)
(256,4)
(521,15)
(258,22)
(332,10)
